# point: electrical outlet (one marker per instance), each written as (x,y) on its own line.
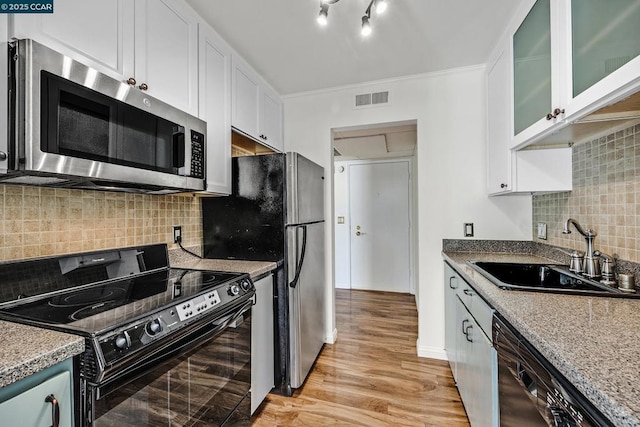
(177,234)
(542,230)
(468,229)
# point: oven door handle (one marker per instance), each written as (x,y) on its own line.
(235,319)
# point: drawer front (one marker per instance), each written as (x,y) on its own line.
(479,309)
(483,313)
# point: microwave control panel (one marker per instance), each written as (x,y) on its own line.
(197,155)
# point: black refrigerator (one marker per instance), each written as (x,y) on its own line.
(276,213)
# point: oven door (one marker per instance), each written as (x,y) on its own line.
(197,382)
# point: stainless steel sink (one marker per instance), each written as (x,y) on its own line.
(543,278)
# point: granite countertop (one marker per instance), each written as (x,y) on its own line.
(593,341)
(254,268)
(27,350)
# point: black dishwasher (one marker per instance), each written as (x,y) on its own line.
(533,393)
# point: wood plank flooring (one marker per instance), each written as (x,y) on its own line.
(371,376)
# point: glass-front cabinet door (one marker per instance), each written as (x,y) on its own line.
(535,70)
(603,51)
(532,67)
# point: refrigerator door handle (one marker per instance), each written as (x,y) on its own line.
(294,282)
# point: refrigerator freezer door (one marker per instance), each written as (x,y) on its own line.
(306,300)
(249,224)
(305,190)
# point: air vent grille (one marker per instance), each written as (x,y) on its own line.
(364,99)
(375,98)
(380,97)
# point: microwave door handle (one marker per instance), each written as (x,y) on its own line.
(178,148)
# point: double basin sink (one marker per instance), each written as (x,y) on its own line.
(544,278)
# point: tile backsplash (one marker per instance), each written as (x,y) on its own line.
(36,222)
(605,197)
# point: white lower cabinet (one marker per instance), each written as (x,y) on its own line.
(469,348)
(30,402)
(262,342)
(451,284)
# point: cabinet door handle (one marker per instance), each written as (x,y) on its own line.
(503,185)
(468,292)
(143,86)
(55,410)
(555,114)
(451,280)
(131,81)
(466,332)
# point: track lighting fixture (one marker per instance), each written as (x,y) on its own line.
(366,26)
(324,12)
(380,7)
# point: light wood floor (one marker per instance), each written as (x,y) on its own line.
(371,376)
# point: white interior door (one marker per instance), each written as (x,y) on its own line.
(379,226)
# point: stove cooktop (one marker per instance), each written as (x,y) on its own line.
(92,292)
(94,308)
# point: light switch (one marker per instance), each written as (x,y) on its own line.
(542,230)
(340,220)
(468,229)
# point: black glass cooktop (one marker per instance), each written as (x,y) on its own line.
(96,307)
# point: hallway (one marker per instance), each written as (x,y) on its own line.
(371,376)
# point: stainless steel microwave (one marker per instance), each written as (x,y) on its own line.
(71,126)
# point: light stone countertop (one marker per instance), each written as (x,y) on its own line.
(593,341)
(254,268)
(27,350)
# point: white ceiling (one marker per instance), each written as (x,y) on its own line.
(285,45)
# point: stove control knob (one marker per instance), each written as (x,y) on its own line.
(153,327)
(246,285)
(123,341)
(234,290)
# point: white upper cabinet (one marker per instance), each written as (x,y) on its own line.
(166,46)
(602,53)
(270,123)
(569,59)
(246,98)
(510,171)
(257,110)
(98,32)
(536,100)
(215,108)
(152,42)
(498,116)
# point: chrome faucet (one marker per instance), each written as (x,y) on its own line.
(591,264)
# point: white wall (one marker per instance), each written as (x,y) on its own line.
(341,231)
(450,111)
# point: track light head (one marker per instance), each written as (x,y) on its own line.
(381,6)
(324,13)
(366,26)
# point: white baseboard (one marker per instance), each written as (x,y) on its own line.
(331,339)
(431,352)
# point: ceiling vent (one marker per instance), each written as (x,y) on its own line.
(370,99)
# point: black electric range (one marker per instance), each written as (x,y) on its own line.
(126,302)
